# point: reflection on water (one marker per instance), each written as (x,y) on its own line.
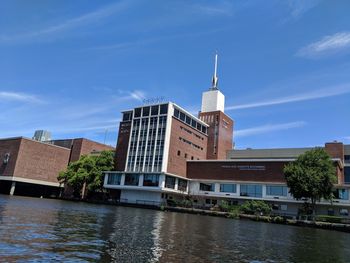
(50,230)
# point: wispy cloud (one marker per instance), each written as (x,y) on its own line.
(138,95)
(327,45)
(79,21)
(268,128)
(218,8)
(299,7)
(313,95)
(17,96)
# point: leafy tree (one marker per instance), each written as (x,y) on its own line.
(85,175)
(255,207)
(311,176)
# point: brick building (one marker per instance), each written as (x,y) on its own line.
(30,167)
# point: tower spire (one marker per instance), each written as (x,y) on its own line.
(214,83)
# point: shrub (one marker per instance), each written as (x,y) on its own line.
(278,219)
(255,207)
(329,219)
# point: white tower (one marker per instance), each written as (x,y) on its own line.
(213,99)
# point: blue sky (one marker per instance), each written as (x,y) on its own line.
(71,66)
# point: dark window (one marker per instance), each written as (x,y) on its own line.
(188,120)
(207,187)
(164,109)
(145,111)
(194,124)
(154,110)
(127,116)
(228,188)
(138,112)
(170,182)
(182,185)
(178,153)
(251,190)
(347,158)
(176,113)
(185,155)
(182,116)
(347,174)
(131,179)
(276,190)
(114,179)
(151,180)
(204,129)
(192,158)
(342,194)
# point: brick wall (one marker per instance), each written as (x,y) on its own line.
(10,146)
(122,145)
(177,163)
(82,146)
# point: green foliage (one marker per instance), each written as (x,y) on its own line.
(224,206)
(311,176)
(278,219)
(255,207)
(87,171)
(329,219)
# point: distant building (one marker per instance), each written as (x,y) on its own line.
(30,167)
(42,135)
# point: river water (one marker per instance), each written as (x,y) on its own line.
(41,230)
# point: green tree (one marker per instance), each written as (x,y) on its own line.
(85,175)
(311,176)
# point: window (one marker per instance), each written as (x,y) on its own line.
(347,158)
(145,111)
(151,180)
(207,187)
(344,212)
(342,194)
(185,155)
(251,190)
(228,188)
(188,120)
(192,157)
(182,116)
(182,185)
(176,113)
(127,116)
(347,174)
(138,112)
(178,153)
(131,179)
(169,182)
(114,179)
(276,190)
(154,110)
(164,109)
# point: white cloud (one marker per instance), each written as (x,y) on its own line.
(316,94)
(79,21)
(329,44)
(16,96)
(268,128)
(137,95)
(299,7)
(218,8)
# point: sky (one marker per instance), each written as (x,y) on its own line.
(71,67)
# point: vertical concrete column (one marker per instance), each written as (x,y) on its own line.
(141,180)
(13,188)
(264,190)
(162,180)
(238,189)
(176,183)
(217,188)
(122,179)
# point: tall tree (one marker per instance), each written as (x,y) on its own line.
(311,176)
(85,175)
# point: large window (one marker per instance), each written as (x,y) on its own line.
(131,179)
(228,188)
(347,174)
(151,180)
(207,187)
(182,185)
(276,190)
(114,179)
(170,182)
(252,190)
(342,194)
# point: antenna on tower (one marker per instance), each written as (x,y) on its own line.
(214,83)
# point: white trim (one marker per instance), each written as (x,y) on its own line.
(30,181)
(167,135)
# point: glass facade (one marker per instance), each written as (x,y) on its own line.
(182,116)
(114,179)
(131,179)
(147,139)
(228,188)
(276,190)
(207,187)
(151,180)
(252,190)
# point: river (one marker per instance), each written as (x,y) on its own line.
(43,230)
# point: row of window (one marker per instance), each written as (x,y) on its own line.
(151,110)
(185,155)
(246,189)
(190,121)
(148,180)
(191,143)
(190,132)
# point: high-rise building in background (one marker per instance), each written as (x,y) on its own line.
(42,135)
